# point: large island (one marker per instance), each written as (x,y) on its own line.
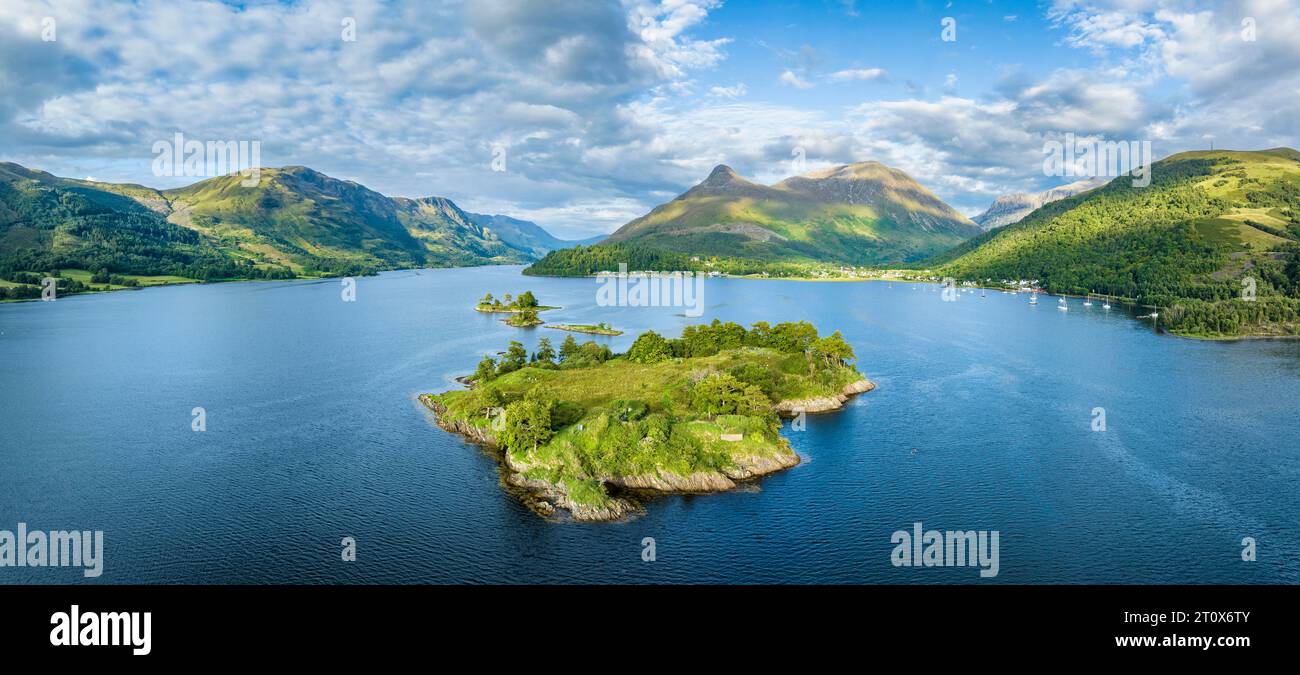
(589,431)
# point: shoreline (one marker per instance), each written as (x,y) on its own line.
(200,282)
(546,498)
(1128,302)
(513,310)
(578,329)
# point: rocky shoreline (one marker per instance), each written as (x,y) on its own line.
(792,407)
(545,498)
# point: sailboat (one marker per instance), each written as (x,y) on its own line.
(1087,302)
(1060,304)
(1033,299)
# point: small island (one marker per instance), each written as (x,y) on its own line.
(524,318)
(589,431)
(526,302)
(522,310)
(597,329)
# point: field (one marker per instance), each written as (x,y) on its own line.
(161,280)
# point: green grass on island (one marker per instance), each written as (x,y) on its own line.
(599,329)
(526,302)
(581,426)
(524,318)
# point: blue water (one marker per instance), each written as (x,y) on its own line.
(982,420)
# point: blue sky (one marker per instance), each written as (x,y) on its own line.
(607,107)
(820,38)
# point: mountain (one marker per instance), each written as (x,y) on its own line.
(49,223)
(295,221)
(863,213)
(1210,225)
(1013,207)
(526,235)
(304,219)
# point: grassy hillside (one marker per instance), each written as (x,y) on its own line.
(1185,243)
(294,222)
(857,214)
(48,224)
(310,222)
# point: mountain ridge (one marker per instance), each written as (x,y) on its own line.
(527,234)
(859,213)
(295,221)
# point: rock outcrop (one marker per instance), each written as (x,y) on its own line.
(793,407)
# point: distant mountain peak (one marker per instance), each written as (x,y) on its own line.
(723,180)
(721,174)
(1013,207)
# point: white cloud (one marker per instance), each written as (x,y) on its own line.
(595,102)
(789,79)
(858,74)
(1097,27)
(735,91)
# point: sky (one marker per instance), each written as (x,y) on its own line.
(597,110)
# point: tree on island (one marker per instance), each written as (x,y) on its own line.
(833,350)
(723,394)
(493,397)
(487,300)
(649,347)
(545,352)
(526,299)
(528,423)
(516,357)
(487,369)
(493,403)
(568,348)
